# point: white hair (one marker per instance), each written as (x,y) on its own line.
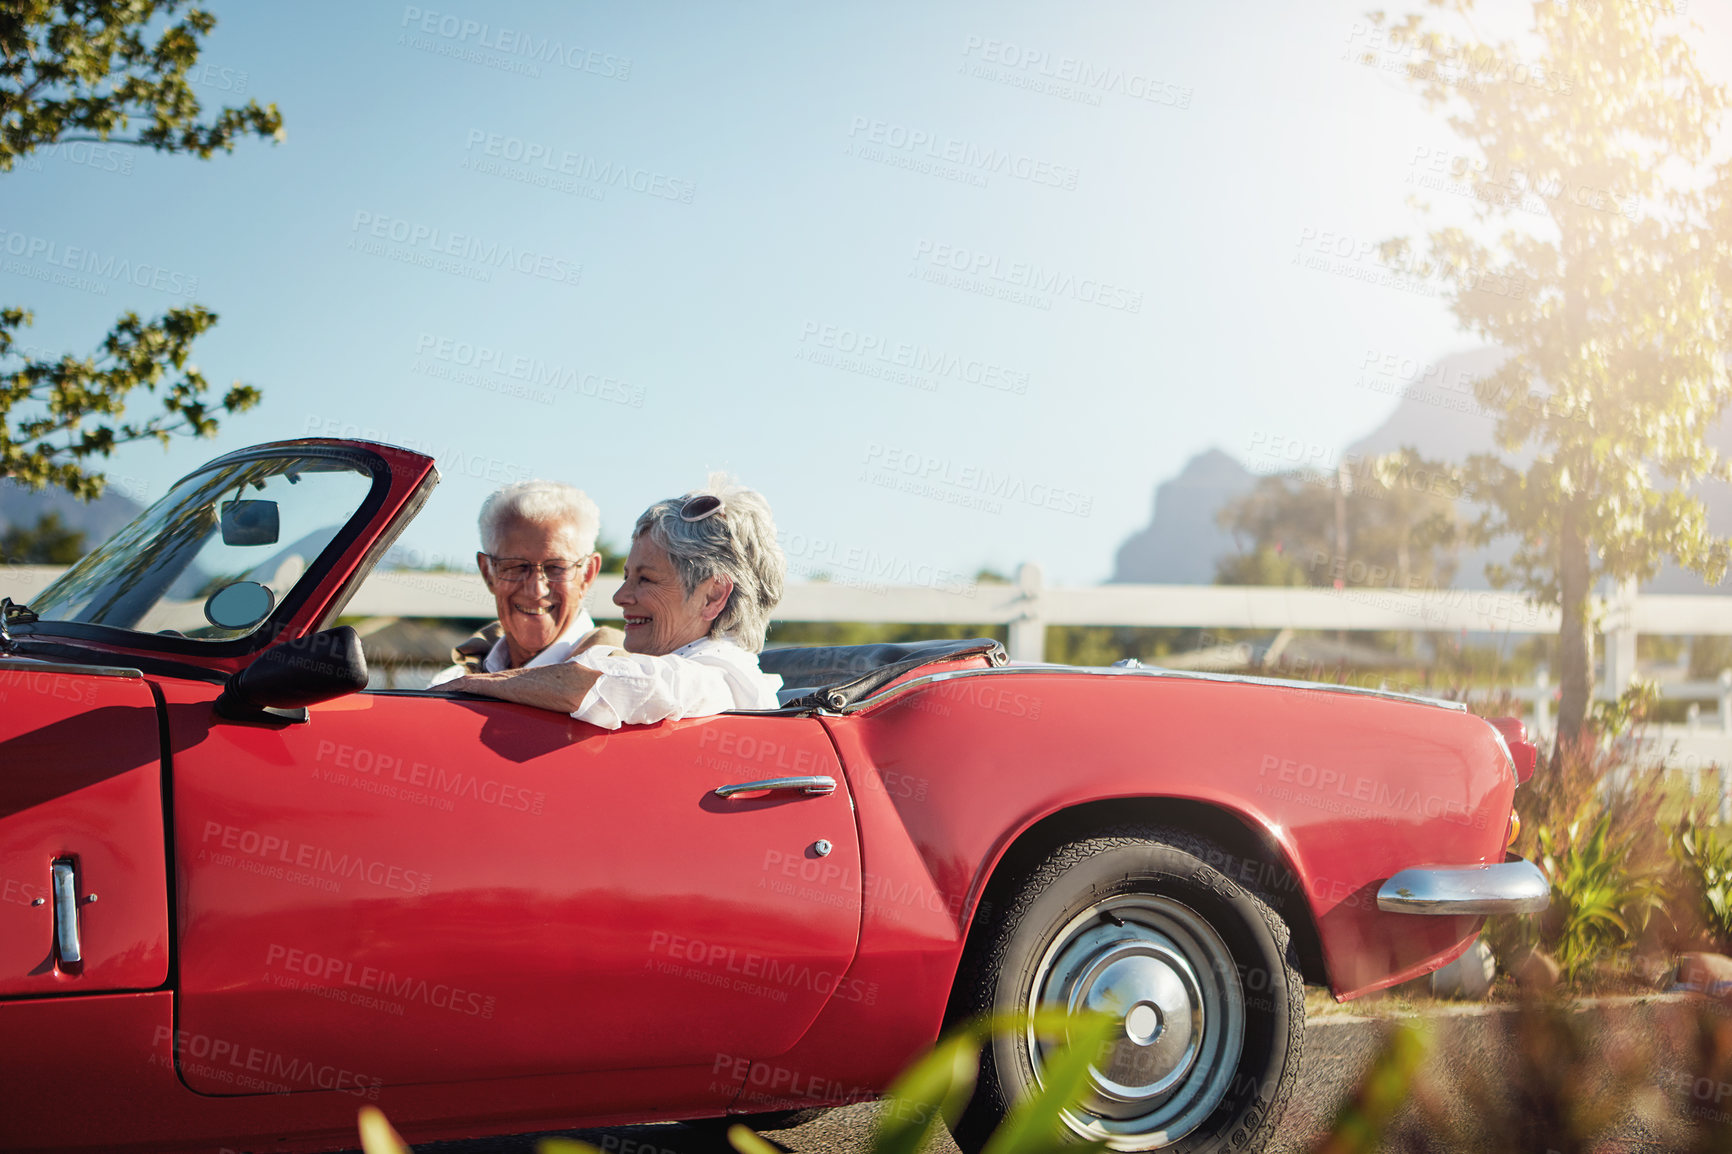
(540,503)
(738,542)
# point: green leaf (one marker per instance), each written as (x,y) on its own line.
(1034,1125)
(747,1141)
(938,1085)
(1362,1120)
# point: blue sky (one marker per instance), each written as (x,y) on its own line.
(953,284)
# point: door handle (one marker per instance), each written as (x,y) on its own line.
(807,785)
(66,912)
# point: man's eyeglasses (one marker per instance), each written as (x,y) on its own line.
(515,570)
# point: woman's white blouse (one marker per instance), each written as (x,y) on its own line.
(708,676)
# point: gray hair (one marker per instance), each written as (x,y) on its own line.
(737,542)
(540,503)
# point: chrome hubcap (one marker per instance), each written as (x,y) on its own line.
(1169,980)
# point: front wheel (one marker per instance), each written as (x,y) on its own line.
(1197,970)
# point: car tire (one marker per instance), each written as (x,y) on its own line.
(1199,969)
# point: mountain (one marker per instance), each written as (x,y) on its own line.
(1437,416)
(98,519)
(1182,540)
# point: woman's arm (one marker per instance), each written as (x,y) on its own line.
(560,687)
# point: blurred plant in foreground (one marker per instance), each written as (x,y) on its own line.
(934,1089)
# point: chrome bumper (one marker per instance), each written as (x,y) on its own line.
(1515,886)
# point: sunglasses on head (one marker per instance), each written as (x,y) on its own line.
(701,506)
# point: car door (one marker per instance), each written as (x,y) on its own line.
(416,888)
(83,883)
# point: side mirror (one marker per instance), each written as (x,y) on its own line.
(283,680)
(250,523)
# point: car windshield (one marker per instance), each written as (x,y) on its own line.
(214,557)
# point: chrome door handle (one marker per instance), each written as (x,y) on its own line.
(808,785)
(66,912)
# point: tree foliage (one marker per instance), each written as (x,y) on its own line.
(49,542)
(1598,257)
(1379,522)
(63,412)
(82,70)
(75,70)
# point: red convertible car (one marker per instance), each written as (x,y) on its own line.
(241,895)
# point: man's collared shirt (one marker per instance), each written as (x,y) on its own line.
(498,658)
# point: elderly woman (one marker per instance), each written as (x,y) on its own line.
(538,559)
(702,578)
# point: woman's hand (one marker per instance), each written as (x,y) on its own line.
(561,687)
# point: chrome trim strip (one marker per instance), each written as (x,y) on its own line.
(47,665)
(809,785)
(1515,886)
(1172,674)
(66,913)
(1508,757)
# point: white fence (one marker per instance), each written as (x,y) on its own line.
(1027,606)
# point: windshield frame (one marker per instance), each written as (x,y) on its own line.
(273,627)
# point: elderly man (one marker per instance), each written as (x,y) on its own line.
(538,559)
(702,579)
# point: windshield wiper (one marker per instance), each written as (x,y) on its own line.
(11,611)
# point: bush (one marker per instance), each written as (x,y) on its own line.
(1704,856)
(1602,898)
(1592,822)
